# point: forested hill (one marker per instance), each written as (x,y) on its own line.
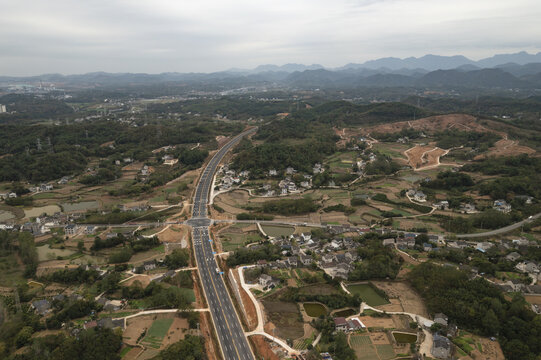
(22,107)
(343,113)
(67,149)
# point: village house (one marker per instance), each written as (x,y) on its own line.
(419,196)
(45,187)
(268,282)
(306,260)
(273,172)
(292,261)
(514,256)
(484,246)
(427,247)
(403,243)
(467,208)
(89,230)
(502,206)
(441,319)
(145,170)
(318,169)
(442,205)
(306,236)
(71,229)
(457,244)
(41,307)
(520,242)
(149,265)
(528,267)
(169,160)
(341,270)
(327,259)
(527,199)
(441,347)
(388,242)
(340,324)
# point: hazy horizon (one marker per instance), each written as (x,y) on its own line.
(137,36)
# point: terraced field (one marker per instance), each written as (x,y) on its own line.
(156,333)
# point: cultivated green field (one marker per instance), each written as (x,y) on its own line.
(157,332)
(367,294)
(276,231)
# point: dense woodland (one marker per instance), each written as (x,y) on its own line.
(67,149)
(477,305)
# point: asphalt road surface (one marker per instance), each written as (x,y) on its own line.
(500,230)
(233,342)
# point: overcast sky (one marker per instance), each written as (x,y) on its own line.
(153,36)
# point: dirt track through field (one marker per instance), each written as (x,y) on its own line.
(506,147)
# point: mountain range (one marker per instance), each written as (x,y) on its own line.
(506,71)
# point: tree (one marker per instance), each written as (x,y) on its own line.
(491,323)
(80,246)
(178,258)
(191,348)
(23,337)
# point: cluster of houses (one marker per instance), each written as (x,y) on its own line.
(8,195)
(336,258)
(361,164)
(416,195)
(406,241)
(42,225)
(348,325)
(169,160)
(230,177)
(45,187)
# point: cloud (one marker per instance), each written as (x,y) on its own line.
(70,36)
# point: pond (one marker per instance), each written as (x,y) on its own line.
(46,253)
(276,231)
(344,313)
(37,211)
(314,309)
(367,294)
(404,338)
(80,206)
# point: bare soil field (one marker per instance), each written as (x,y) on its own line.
(175,233)
(409,300)
(135,327)
(262,348)
(176,332)
(143,279)
(285,317)
(378,322)
(491,350)
(423,156)
(433,124)
(133,354)
(379,338)
(505,147)
(533,299)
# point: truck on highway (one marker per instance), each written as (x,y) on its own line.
(217,270)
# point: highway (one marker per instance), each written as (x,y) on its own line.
(233,342)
